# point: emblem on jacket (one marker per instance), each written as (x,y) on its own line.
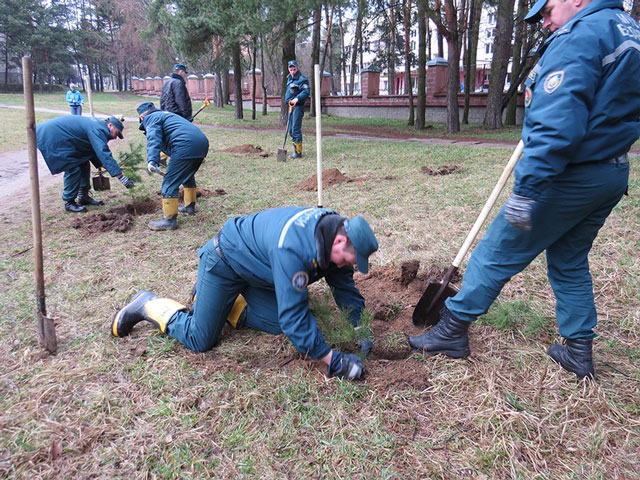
(527,96)
(553,81)
(300,280)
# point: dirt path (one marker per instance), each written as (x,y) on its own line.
(15,180)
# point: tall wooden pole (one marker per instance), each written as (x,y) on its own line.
(87,82)
(46,326)
(318,110)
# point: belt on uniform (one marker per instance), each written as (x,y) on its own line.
(619,160)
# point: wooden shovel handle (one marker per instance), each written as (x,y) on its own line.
(489,204)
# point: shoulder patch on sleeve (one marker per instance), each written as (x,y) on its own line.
(300,280)
(553,81)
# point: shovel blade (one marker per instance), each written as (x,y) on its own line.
(282,155)
(425,316)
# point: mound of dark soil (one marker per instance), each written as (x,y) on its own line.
(119,219)
(248,149)
(441,170)
(330,177)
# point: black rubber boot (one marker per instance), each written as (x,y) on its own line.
(164,224)
(295,155)
(188,209)
(85,199)
(144,306)
(576,356)
(73,207)
(449,337)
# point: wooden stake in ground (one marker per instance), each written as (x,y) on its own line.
(46,326)
(318,78)
(88,85)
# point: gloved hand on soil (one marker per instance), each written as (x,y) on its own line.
(517,211)
(345,365)
(153,167)
(126,181)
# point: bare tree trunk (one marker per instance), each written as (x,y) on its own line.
(422,65)
(253,83)
(521,30)
(237,78)
(357,45)
(408,87)
(288,53)
(471,56)
(262,79)
(501,53)
(391,58)
(343,57)
(635,10)
(315,54)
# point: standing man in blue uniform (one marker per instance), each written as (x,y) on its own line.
(266,261)
(75,100)
(582,114)
(69,143)
(297,94)
(175,96)
(187,146)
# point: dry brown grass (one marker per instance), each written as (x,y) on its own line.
(145,407)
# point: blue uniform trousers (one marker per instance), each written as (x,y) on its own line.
(180,171)
(217,288)
(74,179)
(76,109)
(565,222)
(295,124)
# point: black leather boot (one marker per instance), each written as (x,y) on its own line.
(73,207)
(449,337)
(85,199)
(576,356)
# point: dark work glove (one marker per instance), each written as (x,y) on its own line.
(365,347)
(126,181)
(518,211)
(345,365)
(153,167)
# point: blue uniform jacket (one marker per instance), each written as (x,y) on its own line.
(582,101)
(177,137)
(276,249)
(74,97)
(66,142)
(297,87)
(175,97)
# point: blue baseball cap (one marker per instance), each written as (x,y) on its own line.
(143,107)
(363,239)
(292,63)
(534,14)
(118,124)
(180,66)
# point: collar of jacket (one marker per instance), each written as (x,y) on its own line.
(175,75)
(149,112)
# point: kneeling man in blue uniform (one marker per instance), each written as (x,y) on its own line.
(187,146)
(256,270)
(69,143)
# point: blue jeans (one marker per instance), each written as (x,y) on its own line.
(179,172)
(76,109)
(565,221)
(217,288)
(76,178)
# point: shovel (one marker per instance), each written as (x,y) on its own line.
(427,311)
(207,102)
(282,153)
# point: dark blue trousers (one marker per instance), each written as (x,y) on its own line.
(295,124)
(74,179)
(180,171)
(217,288)
(565,222)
